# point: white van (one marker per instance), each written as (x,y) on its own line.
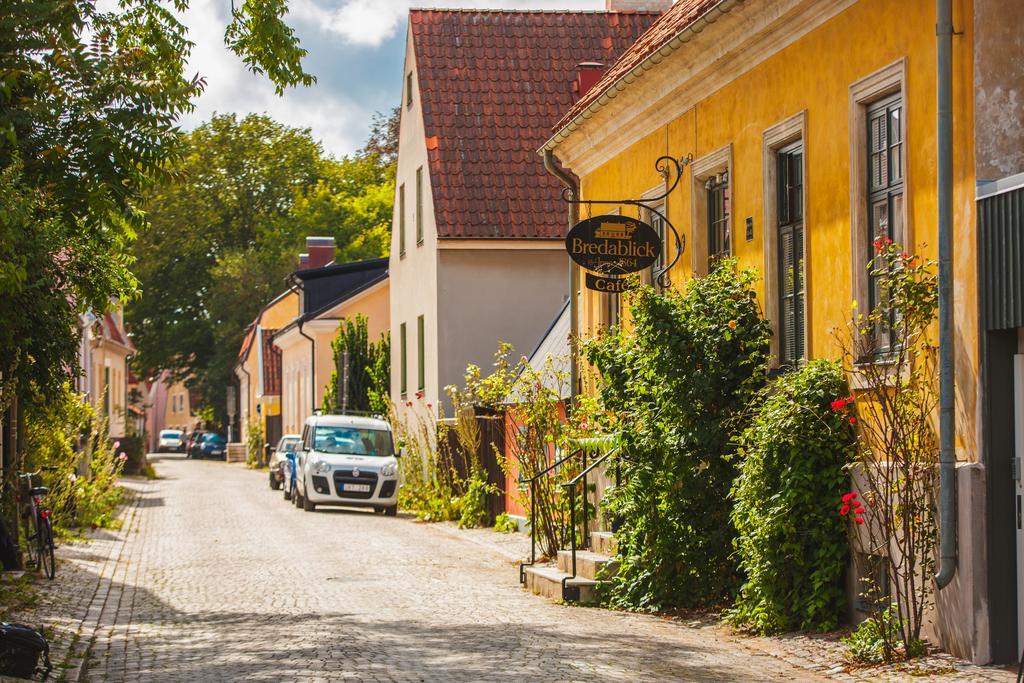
(347,460)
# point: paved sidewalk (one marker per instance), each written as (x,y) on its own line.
(67,608)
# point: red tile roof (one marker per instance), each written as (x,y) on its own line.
(271,365)
(114,332)
(491,84)
(682,15)
(243,352)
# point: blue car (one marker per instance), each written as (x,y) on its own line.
(211,445)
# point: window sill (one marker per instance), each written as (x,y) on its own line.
(888,365)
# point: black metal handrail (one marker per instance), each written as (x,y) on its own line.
(573,593)
(533,508)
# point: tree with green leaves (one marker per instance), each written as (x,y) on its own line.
(227,229)
(89,104)
(367,366)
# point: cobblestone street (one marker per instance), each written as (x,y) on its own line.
(221,580)
(215,578)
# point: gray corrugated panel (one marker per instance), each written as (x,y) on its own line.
(1001,232)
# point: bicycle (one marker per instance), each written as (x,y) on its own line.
(37,528)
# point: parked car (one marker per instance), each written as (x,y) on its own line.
(289,443)
(347,460)
(172,440)
(211,445)
(192,447)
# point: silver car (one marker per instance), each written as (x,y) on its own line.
(347,460)
(171,440)
(289,443)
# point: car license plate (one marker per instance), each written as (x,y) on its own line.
(356,488)
(217,452)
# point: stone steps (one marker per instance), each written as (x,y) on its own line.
(547,580)
(603,543)
(589,565)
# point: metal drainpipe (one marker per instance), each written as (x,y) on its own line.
(574,277)
(947,414)
(295,286)
(312,366)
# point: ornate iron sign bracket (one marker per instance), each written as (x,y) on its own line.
(669,168)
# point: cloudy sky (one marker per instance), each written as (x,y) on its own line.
(356,49)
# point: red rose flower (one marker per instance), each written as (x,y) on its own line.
(849,496)
(859,520)
(853,420)
(838,404)
(843,511)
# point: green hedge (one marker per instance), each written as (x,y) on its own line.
(679,383)
(790,539)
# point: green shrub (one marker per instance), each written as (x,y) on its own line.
(505,524)
(790,541)
(474,509)
(867,643)
(64,433)
(679,383)
(254,443)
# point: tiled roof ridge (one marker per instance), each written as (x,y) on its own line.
(680,17)
(471,10)
(490,85)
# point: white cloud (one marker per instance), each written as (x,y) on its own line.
(337,117)
(338,123)
(371,22)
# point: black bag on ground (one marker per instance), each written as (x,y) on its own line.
(20,648)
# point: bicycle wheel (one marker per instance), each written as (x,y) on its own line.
(28,539)
(47,561)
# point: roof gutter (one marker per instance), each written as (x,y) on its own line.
(656,57)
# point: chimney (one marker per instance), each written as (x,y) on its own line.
(587,76)
(637,5)
(303,261)
(321,251)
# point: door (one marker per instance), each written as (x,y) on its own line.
(1018,460)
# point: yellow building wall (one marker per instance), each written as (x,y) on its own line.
(113,357)
(814,74)
(178,409)
(375,306)
(276,315)
(281,312)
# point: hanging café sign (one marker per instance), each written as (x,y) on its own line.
(612,245)
(609,246)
